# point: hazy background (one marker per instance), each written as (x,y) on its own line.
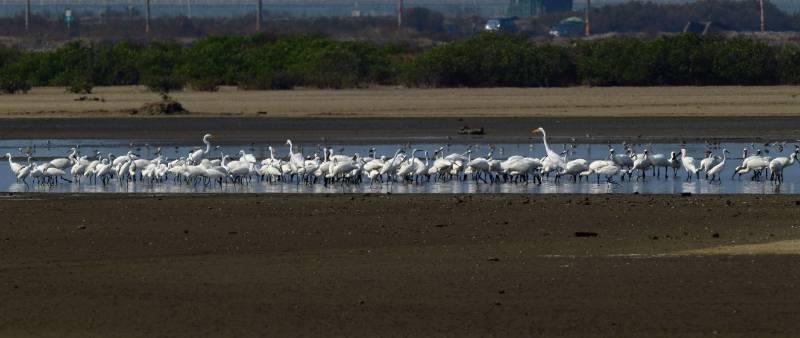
(300,8)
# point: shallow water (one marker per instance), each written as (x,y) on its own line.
(44,150)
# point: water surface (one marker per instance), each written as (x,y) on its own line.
(45,150)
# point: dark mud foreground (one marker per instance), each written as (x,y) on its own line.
(417,265)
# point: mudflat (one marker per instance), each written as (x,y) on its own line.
(412,265)
(244,130)
(404,102)
(388,115)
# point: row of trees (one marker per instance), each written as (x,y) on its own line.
(486,60)
(255,62)
(685,59)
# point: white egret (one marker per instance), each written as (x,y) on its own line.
(717,169)
(688,165)
(555,158)
(15,167)
(198,155)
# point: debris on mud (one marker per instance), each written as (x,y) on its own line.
(585,234)
(89,98)
(167,106)
(466,130)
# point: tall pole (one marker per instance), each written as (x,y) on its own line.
(103,11)
(587,28)
(258,16)
(399,13)
(27,15)
(761,4)
(147,17)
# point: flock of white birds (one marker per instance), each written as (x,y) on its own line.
(197,168)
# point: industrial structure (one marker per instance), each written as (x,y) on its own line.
(231,8)
(523,8)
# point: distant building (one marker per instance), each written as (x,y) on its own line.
(571,26)
(523,8)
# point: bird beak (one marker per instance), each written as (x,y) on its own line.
(534,131)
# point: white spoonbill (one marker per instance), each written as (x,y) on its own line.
(641,163)
(407,166)
(480,165)
(62,163)
(374,164)
(674,163)
(520,167)
(594,166)
(777,165)
(296,160)
(708,162)
(745,159)
(573,168)
(391,166)
(54,174)
(754,163)
(658,161)
(340,168)
(24,172)
(609,172)
(621,160)
(421,168)
(245,157)
(117,161)
(440,165)
(104,170)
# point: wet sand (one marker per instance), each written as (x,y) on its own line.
(403,102)
(410,265)
(243,130)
